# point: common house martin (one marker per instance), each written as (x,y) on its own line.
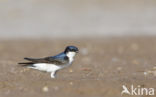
(52,63)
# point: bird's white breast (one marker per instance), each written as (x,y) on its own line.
(46,67)
(71,56)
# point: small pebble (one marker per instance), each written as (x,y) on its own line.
(154,68)
(84,51)
(56,88)
(24,70)
(135,62)
(86,69)
(45,89)
(145,73)
(134,46)
(71,83)
(115,59)
(149,72)
(70,70)
(154,73)
(119,68)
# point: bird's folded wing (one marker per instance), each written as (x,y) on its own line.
(50,60)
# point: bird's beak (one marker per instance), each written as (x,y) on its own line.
(77,51)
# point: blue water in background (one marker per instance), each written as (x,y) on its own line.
(71,18)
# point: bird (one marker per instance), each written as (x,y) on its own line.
(52,63)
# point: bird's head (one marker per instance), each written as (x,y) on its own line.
(71,49)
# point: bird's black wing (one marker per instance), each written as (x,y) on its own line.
(51,60)
(57,60)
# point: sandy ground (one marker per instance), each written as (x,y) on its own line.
(99,70)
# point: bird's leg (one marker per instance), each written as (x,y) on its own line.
(53,74)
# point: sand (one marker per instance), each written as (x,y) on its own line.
(99,70)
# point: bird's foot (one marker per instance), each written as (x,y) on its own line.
(52,74)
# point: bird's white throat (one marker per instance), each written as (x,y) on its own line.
(71,56)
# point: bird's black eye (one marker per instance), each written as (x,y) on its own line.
(73,49)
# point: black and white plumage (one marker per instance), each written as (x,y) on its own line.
(53,63)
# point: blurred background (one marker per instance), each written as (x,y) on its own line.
(103,65)
(76,18)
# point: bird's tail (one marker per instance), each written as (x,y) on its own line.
(29,59)
(26,64)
